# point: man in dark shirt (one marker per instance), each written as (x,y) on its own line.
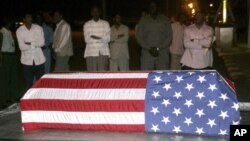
(154,35)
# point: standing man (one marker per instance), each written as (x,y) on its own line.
(48,36)
(198,38)
(9,62)
(119,59)
(97,37)
(177,45)
(154,35)
(62,43)
(30,39)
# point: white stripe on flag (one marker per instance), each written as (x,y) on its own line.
(83,117)
(85,94)
(96,75)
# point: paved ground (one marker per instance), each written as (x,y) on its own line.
(232,64)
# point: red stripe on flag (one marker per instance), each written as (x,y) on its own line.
(82,105)
(90,83)
(110,127)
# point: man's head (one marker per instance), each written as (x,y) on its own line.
(39,19)
(27,19)
(95,13)
(117,19)
(6,23)
(58,16)
(153,8)
(199,18)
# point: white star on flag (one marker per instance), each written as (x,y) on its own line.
(223,132)
(155,110)
(201,79)
(167,86)
(191,73)
(157,79)
(155,128)
(211,122)
(223,114)
(212,73)
(179,79)
(200,112)
(236,106)
(223,96)
(156,94)
(188,103)
(236,122)
(177,111)
(200,95)
(212,87)
(199,130)
(166,102)
(169,73)
(177,129)
(189,86)
(212,104)
(188,121)
(177,95)
(165,120)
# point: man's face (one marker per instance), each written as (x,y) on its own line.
(118,19)
(199,18)
(57,17)
(39,19)
(95,13)
(27,19)
(153,8)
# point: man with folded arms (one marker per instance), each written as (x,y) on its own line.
(30,40)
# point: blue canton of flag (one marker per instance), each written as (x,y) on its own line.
(197,102)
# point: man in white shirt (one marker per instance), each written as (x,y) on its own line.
(62,43)
(30,40)
(119,55)
(9,60)
(97,37)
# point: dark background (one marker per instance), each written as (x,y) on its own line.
(76,12)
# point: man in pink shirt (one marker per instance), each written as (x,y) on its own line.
(198,38)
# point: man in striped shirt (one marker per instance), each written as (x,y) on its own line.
(97,36)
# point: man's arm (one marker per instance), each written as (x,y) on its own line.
(21,42)
(106,35)
(88,37)
(208,39)
(123,37)
(39,42)
(168,34)
(140,35)
(189,42)
(64,37)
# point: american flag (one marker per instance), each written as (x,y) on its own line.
(90,101)
(193,102)
(175,102)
